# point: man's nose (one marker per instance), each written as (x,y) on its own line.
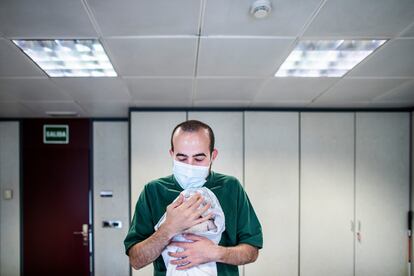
(191,161)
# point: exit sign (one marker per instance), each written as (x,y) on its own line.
(55,134)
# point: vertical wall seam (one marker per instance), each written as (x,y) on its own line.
(244,162)
(355,195)
(299,183)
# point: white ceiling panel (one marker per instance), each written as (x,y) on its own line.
(293,89)
(394,59)
(156,89)
(161,104)
(44,19)
(221,104)
(368,18)
(226,89)
(106,109)
(14,109)
(238,56)
(339,104)
(400,94)
(358,90)
(409,32)
(153,56)
(40,108)
(14,63)
(233,18)
(30,90)
(280,104)
(94,89)
(146,17)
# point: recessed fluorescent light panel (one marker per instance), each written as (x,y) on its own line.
(69,58)
(326,58)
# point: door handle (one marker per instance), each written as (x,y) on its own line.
(84,233)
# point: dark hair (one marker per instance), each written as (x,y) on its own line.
(194,126)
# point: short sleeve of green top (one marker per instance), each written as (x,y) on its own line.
(242,224)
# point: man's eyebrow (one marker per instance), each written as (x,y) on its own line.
(199,154)
(181,154)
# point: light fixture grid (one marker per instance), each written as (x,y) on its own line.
(326,58)
(68,57)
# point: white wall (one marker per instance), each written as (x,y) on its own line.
(110,173)
(9,209)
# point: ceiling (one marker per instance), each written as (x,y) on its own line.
(204,54)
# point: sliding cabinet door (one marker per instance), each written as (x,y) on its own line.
(382,193)
(327,194)
(272,183)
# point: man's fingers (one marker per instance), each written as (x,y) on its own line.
(194,199)
(203,219)
(178,201)
(193,237)
(183,245)
(177,254)
(184,267)
(180,262)
(204,209)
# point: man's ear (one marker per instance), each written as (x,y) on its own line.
(171,153)
(214,154)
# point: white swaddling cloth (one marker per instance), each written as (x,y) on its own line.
(211,229)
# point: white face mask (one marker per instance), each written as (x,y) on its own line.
(189,176)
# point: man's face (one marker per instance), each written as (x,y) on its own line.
(192,148)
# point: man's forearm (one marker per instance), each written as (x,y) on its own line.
(237,255)
(147,251)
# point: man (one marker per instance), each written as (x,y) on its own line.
(193,152)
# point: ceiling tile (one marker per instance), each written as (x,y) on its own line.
(107,109)
(409,32)
(40,108)
(153,56)
(392,104)
(240,56)
(14,110)
(14,63)
(358,90)
(402,93)
(161,104)
(222,104)
(368,18)
(94,89)
(227,89)
(30,90)
(160,89)
(45,19)
(394,59)
(287,18)
(293,89)
(279,104)
(347,105)
(146,17)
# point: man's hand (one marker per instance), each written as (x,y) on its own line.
(182,215)
(201,250)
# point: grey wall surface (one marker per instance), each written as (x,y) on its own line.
(110,173)
(9,209)
(272,183)
(327,194)
(382,193)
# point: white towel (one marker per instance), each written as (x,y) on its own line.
(211,229)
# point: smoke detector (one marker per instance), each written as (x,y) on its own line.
(261,8)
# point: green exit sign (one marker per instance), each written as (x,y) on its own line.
(55,134)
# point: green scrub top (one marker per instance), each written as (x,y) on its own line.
(242,224)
